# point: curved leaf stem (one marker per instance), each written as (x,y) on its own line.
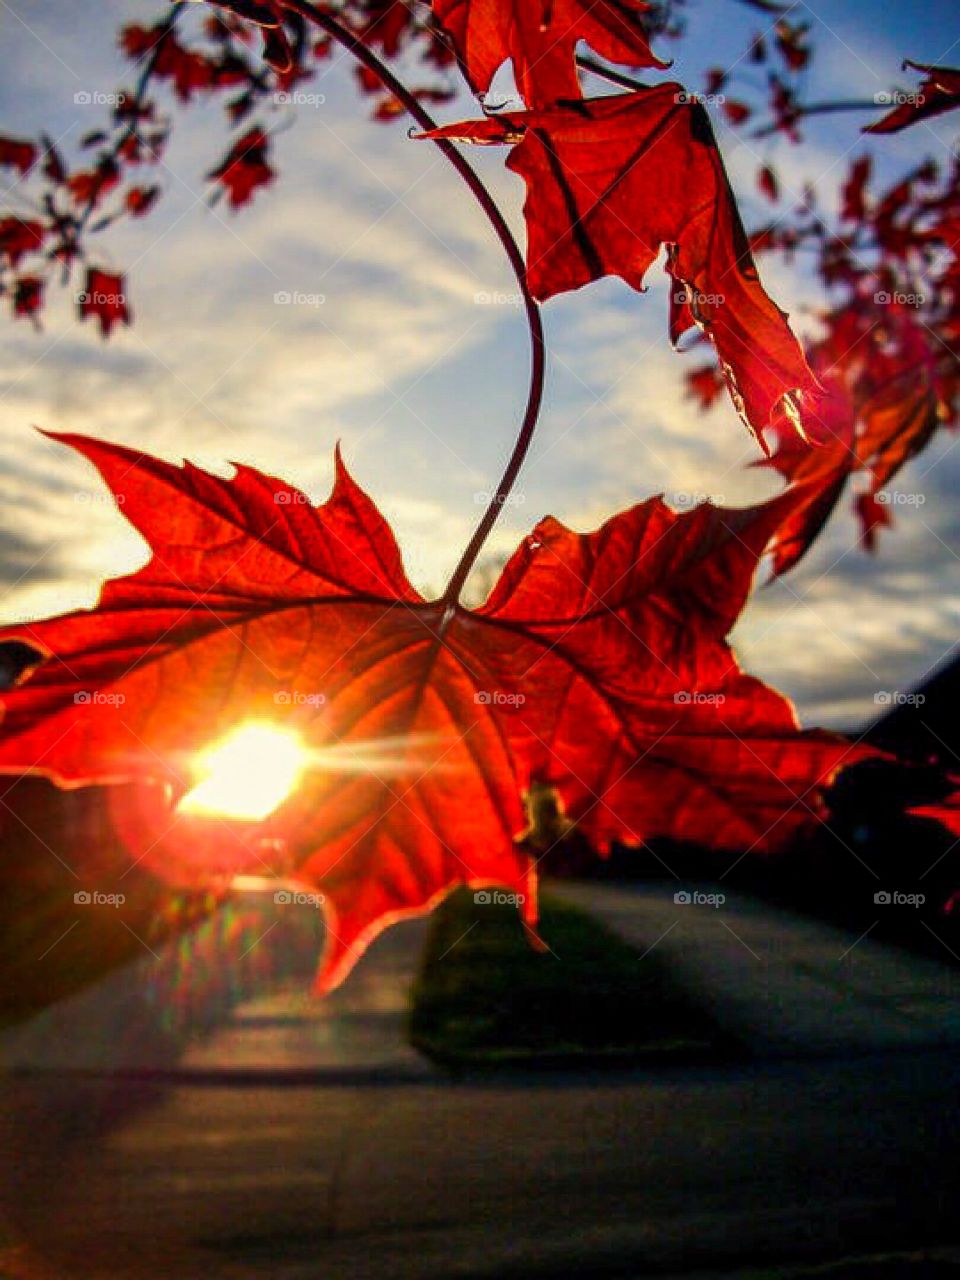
(369,59)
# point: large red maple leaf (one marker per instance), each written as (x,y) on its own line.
(598,666)
(611,181)
(540,38)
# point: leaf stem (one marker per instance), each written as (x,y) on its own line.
(369,59)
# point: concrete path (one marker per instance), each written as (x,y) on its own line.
(655,1173)
(228,1172)
(784,983)
(187,1010)
(358,1032)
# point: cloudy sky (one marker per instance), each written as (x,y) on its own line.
(423,380)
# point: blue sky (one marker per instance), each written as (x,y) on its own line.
(422,382)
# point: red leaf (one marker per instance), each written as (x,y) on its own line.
(612,180)
(137,41)
(877,435)
(28,297)
(599,667)
(368,79)
(389,24)
(821,467)
(705,384)
(873,515)
(735,111)
(946,812)
(187,70)
(103,297)
(245,168)
(939,92)
(89,186)
(790,39)
(785,110)
(540,38)
(140,200)
(853,192)
(18,237)
(19,155)
(768,184)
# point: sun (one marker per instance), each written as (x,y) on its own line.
(248,774)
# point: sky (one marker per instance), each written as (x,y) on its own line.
(407,344)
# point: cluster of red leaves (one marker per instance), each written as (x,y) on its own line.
(219,58)
(606,651)
(888,356)
(793,50)
(785,57)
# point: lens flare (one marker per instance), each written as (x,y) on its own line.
(249,774)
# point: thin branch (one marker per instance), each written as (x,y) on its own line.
(369,59)
(800,112)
